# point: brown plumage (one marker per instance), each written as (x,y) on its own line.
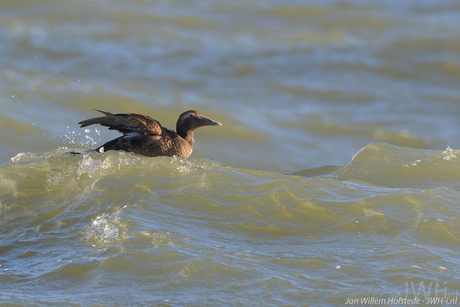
(145,136)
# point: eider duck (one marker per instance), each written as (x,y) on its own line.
(145,136)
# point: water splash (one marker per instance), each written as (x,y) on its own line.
(89,166)
(449,153)
(29,156)
(22,156)
(184,164)
(188,166)
(75,138)
(103,229)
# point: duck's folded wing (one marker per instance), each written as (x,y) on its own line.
(128,124)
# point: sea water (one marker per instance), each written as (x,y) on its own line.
(333,180)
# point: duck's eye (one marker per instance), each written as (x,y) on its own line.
(190,115)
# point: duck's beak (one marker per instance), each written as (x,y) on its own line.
(211,122)
(214,123)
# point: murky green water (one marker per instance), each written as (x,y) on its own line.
(331,179)
(117,228)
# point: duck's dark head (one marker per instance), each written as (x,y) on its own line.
(190,120)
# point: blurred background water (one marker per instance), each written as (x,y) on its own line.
(357,100)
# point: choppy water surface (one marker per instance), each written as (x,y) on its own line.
(334,177)
(120,228)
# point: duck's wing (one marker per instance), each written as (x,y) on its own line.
(129,124)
